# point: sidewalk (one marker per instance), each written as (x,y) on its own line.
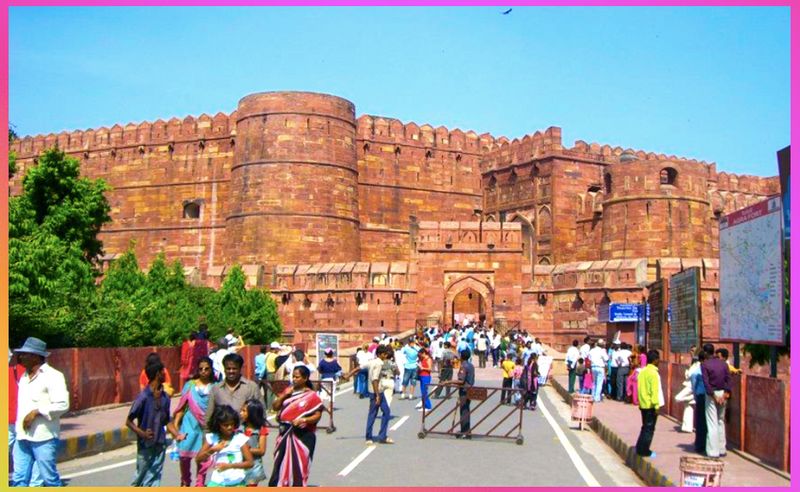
(96,431)
(618,424)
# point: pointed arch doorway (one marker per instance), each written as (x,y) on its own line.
(468,298)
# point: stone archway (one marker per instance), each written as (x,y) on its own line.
(464,285)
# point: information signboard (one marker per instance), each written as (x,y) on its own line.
(684,299)
(656,325)
(751,274)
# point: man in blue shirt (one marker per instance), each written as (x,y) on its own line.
(149,419)
(411,351)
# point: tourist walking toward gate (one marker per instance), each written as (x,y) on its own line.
(42,398)
(530,382)
(623,358)
(651,399)
(599,358)
(508,374)
(424,370)
(411,353)
(445,371)
(571,359)
(299,409)
(189,419)
(329,370)
(717,385)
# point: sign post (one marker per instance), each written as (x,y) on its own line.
(685,325)
(751,275)
(657,327)
(325,341)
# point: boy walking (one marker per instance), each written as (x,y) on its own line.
(150,411)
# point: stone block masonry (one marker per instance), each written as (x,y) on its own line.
(367,225)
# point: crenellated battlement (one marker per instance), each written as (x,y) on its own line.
(390,130)
(174,130)
(607,153)
(519,151)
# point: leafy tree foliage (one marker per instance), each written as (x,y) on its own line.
(12,156)
(53,292)
(251,313)
(53,229)
(71,207)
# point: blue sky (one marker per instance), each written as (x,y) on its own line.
(707,83)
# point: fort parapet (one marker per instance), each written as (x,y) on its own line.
(362,225)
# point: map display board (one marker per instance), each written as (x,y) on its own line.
(751,274)
(656,325)
(684,299)
(326,341)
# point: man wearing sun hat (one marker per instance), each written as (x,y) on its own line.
(41,400)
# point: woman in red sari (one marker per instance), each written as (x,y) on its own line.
(299,409)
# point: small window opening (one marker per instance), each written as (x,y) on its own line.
(191,210)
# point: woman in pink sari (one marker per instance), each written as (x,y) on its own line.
(299,409)
(189,417)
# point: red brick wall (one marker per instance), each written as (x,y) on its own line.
(294,180)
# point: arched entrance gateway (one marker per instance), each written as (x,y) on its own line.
(468,298)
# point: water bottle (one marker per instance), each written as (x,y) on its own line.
(173,451)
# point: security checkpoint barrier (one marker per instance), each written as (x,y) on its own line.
(322,386)
(490,417)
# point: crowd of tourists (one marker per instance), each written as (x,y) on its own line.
(627,374)
(220,419)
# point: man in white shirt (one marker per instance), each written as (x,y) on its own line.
(217,356)
(573,354)
(496,339)
(41,400)
(623,358)
(599,359)
(584,350)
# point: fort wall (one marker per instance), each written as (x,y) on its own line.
(368,225)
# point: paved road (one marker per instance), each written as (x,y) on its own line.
(553,454)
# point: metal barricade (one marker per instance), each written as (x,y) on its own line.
(444,416)
(326,388)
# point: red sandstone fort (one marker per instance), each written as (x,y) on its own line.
(366,225)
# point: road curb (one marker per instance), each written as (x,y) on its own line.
(90,444)
(643,467)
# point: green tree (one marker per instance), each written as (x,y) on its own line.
(251,313)
(116,319)
(71,207)
(12,156)
(53,229)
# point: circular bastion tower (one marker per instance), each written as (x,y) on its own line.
(656,208)
(294,180)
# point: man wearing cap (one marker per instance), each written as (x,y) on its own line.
(41,400)
(271,369)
